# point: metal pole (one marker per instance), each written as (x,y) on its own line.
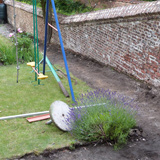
(63,51)
(35,4)
(24,115)
(16,40)
(45,40)
(53,27)
(35,56)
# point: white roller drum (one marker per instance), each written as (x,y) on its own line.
(58,113)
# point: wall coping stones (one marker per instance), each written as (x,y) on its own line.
(118,12)
(130,1)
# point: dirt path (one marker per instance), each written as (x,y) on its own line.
(99,76)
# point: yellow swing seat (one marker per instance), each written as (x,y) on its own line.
(32,64)
(41,76)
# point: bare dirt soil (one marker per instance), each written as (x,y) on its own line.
(144,146)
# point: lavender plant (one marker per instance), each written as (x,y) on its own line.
(102,115)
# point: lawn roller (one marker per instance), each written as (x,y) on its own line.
(59,111)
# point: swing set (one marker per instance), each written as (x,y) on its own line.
(35,65)
(62,108)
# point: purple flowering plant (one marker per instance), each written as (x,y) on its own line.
(102,115)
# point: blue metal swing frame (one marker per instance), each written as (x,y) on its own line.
(61,43)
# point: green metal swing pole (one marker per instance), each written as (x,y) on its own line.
(34,38)
(37,39)
(35,30)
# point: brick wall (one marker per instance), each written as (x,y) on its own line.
(126,38)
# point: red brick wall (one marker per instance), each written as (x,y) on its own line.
(126,38)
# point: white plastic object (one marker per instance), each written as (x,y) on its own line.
(58,113)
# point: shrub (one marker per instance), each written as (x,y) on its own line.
(66,7)
(25,46)
(71,6)
(105,116)
(29,2)
(7,52)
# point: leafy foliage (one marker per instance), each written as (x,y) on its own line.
(70,6)
(25,47)
(7,52)
(30,2)
(66,7)
(8,49)
(104,116)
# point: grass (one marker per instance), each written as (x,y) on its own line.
(17,136)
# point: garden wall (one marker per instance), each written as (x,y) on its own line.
(126,38)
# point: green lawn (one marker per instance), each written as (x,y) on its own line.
(17,136)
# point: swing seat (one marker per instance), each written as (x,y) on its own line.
(32,64)
(41,76)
